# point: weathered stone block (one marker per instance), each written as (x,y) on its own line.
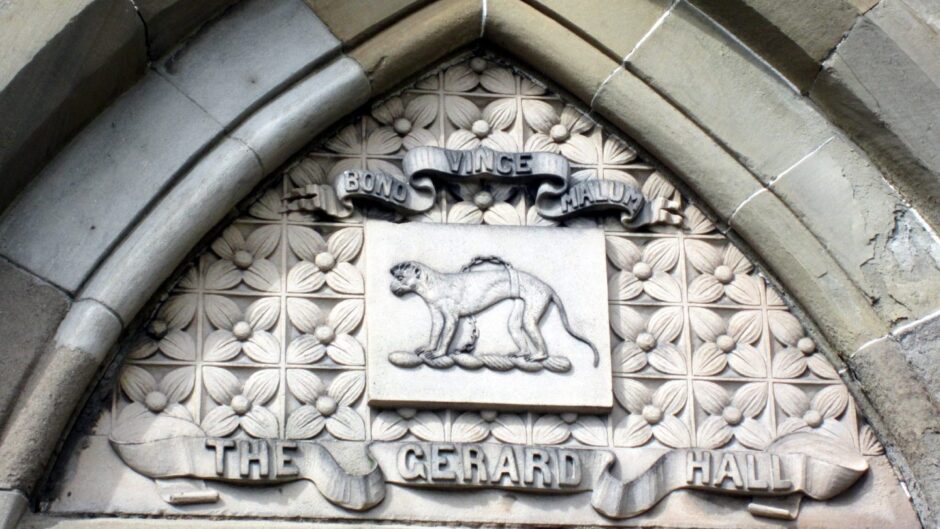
(723,86)
(169,21)
(794,255)
(354,20)
(63,61)
(417,40)
(920,343)
(907,417)
(658,126)
(253,50)
(30,312)
(68,219)
(616,28)
(51,394)
(889,104)
(889,255)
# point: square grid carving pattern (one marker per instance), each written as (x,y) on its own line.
(263,336)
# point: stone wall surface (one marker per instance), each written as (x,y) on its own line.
(830,191)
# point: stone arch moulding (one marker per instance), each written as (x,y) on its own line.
(267,130)
(261,338)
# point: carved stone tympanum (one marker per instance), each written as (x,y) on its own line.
(475,305)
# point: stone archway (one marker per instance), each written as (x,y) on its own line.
(825,279)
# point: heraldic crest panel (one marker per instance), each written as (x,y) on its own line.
(475,303)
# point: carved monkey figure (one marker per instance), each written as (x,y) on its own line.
(452,296)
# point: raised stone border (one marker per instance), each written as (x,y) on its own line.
(754,190)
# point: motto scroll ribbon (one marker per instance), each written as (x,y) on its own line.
(254,461)
(557,197)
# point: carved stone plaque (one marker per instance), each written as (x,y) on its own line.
(497,317)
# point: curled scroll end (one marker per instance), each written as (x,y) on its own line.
(831,466)
(185,491)
(656,211)
(316,198)
(783,508)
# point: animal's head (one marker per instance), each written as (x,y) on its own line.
(405,277)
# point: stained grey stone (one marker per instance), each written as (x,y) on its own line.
(70,217)
(885,251)
(30,311)
(12,506)
(725,88)
(169,21)
(889,103)
(63,62)
(285,124)
(252,50)
(148,255)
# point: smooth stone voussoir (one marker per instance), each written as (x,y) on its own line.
(665,132)
(63,62)
(82,202)
(793,36)
(169,21)
(354,20)
(417,40)
(13,504)
(30,312)
(890,105)
(888,254)
(55,389)
(808,272)
(616,28)
(149,254)
(908,418)
(725,88)
(249,53)
(289,121)
(547,46)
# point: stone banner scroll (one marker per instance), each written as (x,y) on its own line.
(799,463)
(557,196)
(255,461)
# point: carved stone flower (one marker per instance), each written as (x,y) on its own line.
(325,261)
(800,350)
(652,414)
(426,425)
(643,271)
(358,142)
(476,127)
(324,406)
(404,124)
(614,152)
(484,203)
(555,429)
(324,334)
(732,415)
(495,79)
(647,342)
(165,332)
(562,134)
(153,398)
(242,332)
(723,272)
(240,405)
(820,413)
(727,343)
(244,259)
(474,427)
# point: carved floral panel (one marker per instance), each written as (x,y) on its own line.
(264,336)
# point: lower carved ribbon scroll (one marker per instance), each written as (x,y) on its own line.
(799,463)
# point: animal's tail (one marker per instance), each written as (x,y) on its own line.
(564,320)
